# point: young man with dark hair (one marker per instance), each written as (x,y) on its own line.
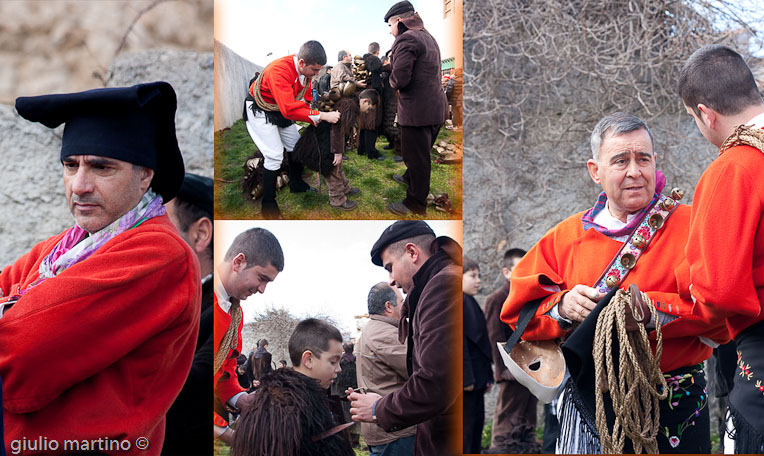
(476,367)
(277,98)
(514,421)
(428,270)
(188,420)
(725,249)
(289,412)
(254,260)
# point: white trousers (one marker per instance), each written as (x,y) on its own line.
(270,139)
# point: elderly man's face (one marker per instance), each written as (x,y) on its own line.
(626,171)
(401,268)
(398,303)
(347,58)
(99,190)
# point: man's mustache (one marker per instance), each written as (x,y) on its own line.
(87,199)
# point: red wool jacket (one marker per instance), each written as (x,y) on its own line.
(102,349)
(226,379)
(725,249)
(567,256)
(280,86)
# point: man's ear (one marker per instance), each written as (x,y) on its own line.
(594,170)
(708,116)
(200,234)
(412,250)
(505,273)
(239,262)
(389,306)
(146,176)
(307,359)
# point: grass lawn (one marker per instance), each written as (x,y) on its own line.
(233,146)
(221,449)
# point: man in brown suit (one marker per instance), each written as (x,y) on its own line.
(428,270)
(422,105)
(514,421)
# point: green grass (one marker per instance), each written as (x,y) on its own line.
(221,449)
(233,146)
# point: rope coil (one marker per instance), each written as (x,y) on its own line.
(632,386)
(745,136)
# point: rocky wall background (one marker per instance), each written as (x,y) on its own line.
(232,75)
(539,77)
(59,47)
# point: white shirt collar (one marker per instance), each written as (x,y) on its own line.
(607,220)
(224,300)
(758,121)
(300,76)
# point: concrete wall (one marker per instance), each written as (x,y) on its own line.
(232,74)
(31,189)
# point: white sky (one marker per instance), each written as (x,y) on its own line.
(253,29)
(327,267)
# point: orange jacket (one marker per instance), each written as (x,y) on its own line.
(725,249)
(102,349)
(280,86)
(567,256)
(225,380)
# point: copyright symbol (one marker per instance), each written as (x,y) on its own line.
(142,443)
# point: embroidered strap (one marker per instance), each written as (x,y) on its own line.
(640,238)
(330,432)
(231,337)
(264,105)
(744,136)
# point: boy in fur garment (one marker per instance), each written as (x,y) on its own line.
(320,147)
(290,414)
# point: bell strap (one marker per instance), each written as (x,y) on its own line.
(526,314)
(330,432)
(640,238)
(622,263)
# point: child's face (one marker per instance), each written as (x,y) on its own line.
(365,104)
(471,282)
(325,368)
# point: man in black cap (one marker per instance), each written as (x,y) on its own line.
(428,269)
(116,297)
(189,419)
(422,105)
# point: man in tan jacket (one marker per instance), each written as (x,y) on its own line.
(381,365)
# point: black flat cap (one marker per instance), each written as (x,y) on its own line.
(133,124)
(398,9)
(197,190)
(402,229)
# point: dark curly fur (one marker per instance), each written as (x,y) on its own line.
(318,144)
(288,410)
(252,177)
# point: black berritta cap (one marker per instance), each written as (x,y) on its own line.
(133,124)
(198,191)
(402,229)
(398,9)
